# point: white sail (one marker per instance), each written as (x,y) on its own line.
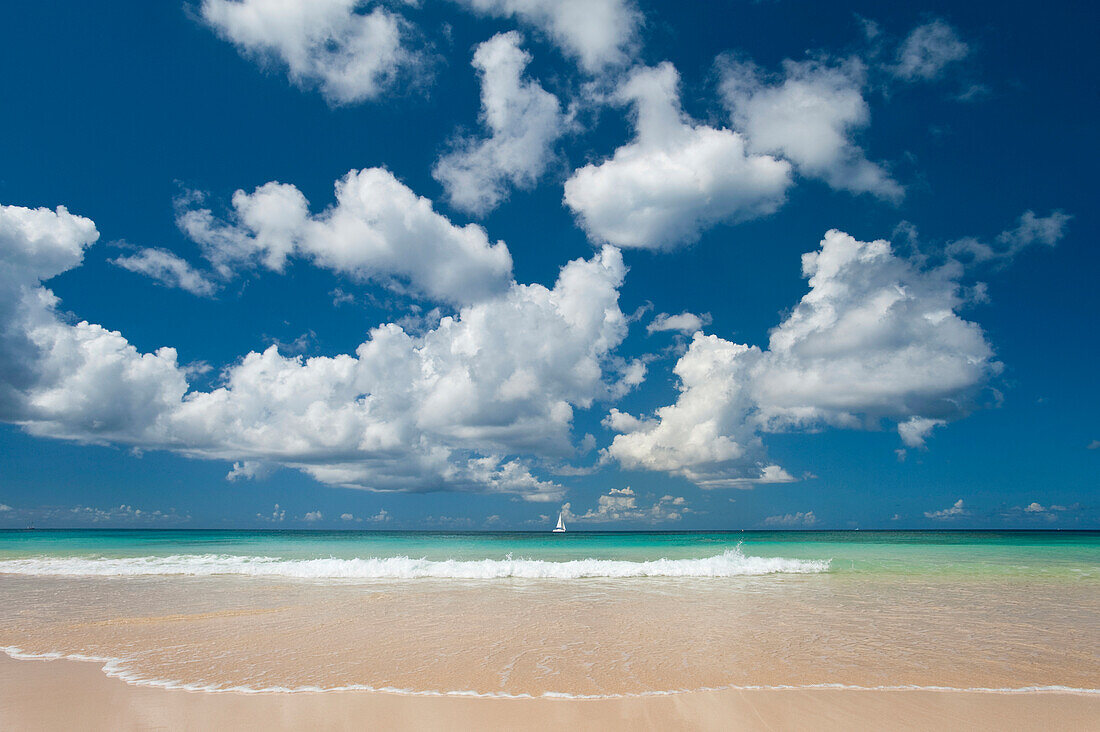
(561,524)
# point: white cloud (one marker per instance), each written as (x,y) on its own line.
(313,516)
(69,380)
(35,244)
(381,517)
(675,178)
(249,470)
(413,413)
(65,516)
(769,474)
(1094,445)
(1030,229)
(463,406)
(168,269)
(916,430)
(1037,510)
(621,504)
(351,56)
(706,436)
(685,323)
(810,116)
(598,33)
(347,517)
(124,513)
(875,338)
(523,120)
(927,50)
(339,297)
(4,507)
(775,474)
(621,421)
(39,243)
(952,512)
(792,519)
(378,230)
(276,516)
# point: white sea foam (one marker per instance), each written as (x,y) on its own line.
(118,668)
(732,563)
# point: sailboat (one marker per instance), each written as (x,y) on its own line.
(560,528)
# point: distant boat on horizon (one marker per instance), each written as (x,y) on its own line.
(560,528)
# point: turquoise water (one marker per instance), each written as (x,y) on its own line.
(1027,554)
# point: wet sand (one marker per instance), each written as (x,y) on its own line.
(530,638)
(73,695)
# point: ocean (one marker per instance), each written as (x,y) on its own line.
(575,614)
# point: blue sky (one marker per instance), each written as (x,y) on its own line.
(566,266)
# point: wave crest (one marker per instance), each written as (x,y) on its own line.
(732,563)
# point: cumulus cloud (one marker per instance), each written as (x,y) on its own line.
(378,230)
(502,377)
(927,50)
(916,430)
(169,269)
(799,518)
(875,338)
(35,244)
(80,515)
(950,513)
(1029,230)
(523,121)
(675,178)
(685,323)
(249,470)
(1036,510)
(809,115)
(337,46)
(313,516)
(769,475)
(598,33)
(707,435)
(462,406)
(49,368)
(621,504)
(277,515)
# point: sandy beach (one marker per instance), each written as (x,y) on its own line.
(252,641)
(301,632)
(62,694)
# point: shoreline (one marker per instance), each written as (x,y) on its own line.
(30,690)
(112,668)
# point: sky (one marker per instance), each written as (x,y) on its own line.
(463,265)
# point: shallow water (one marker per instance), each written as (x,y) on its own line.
(576,614)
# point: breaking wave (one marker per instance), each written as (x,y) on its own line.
(732,563)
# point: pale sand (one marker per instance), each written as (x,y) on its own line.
(599,638)
(72,695)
